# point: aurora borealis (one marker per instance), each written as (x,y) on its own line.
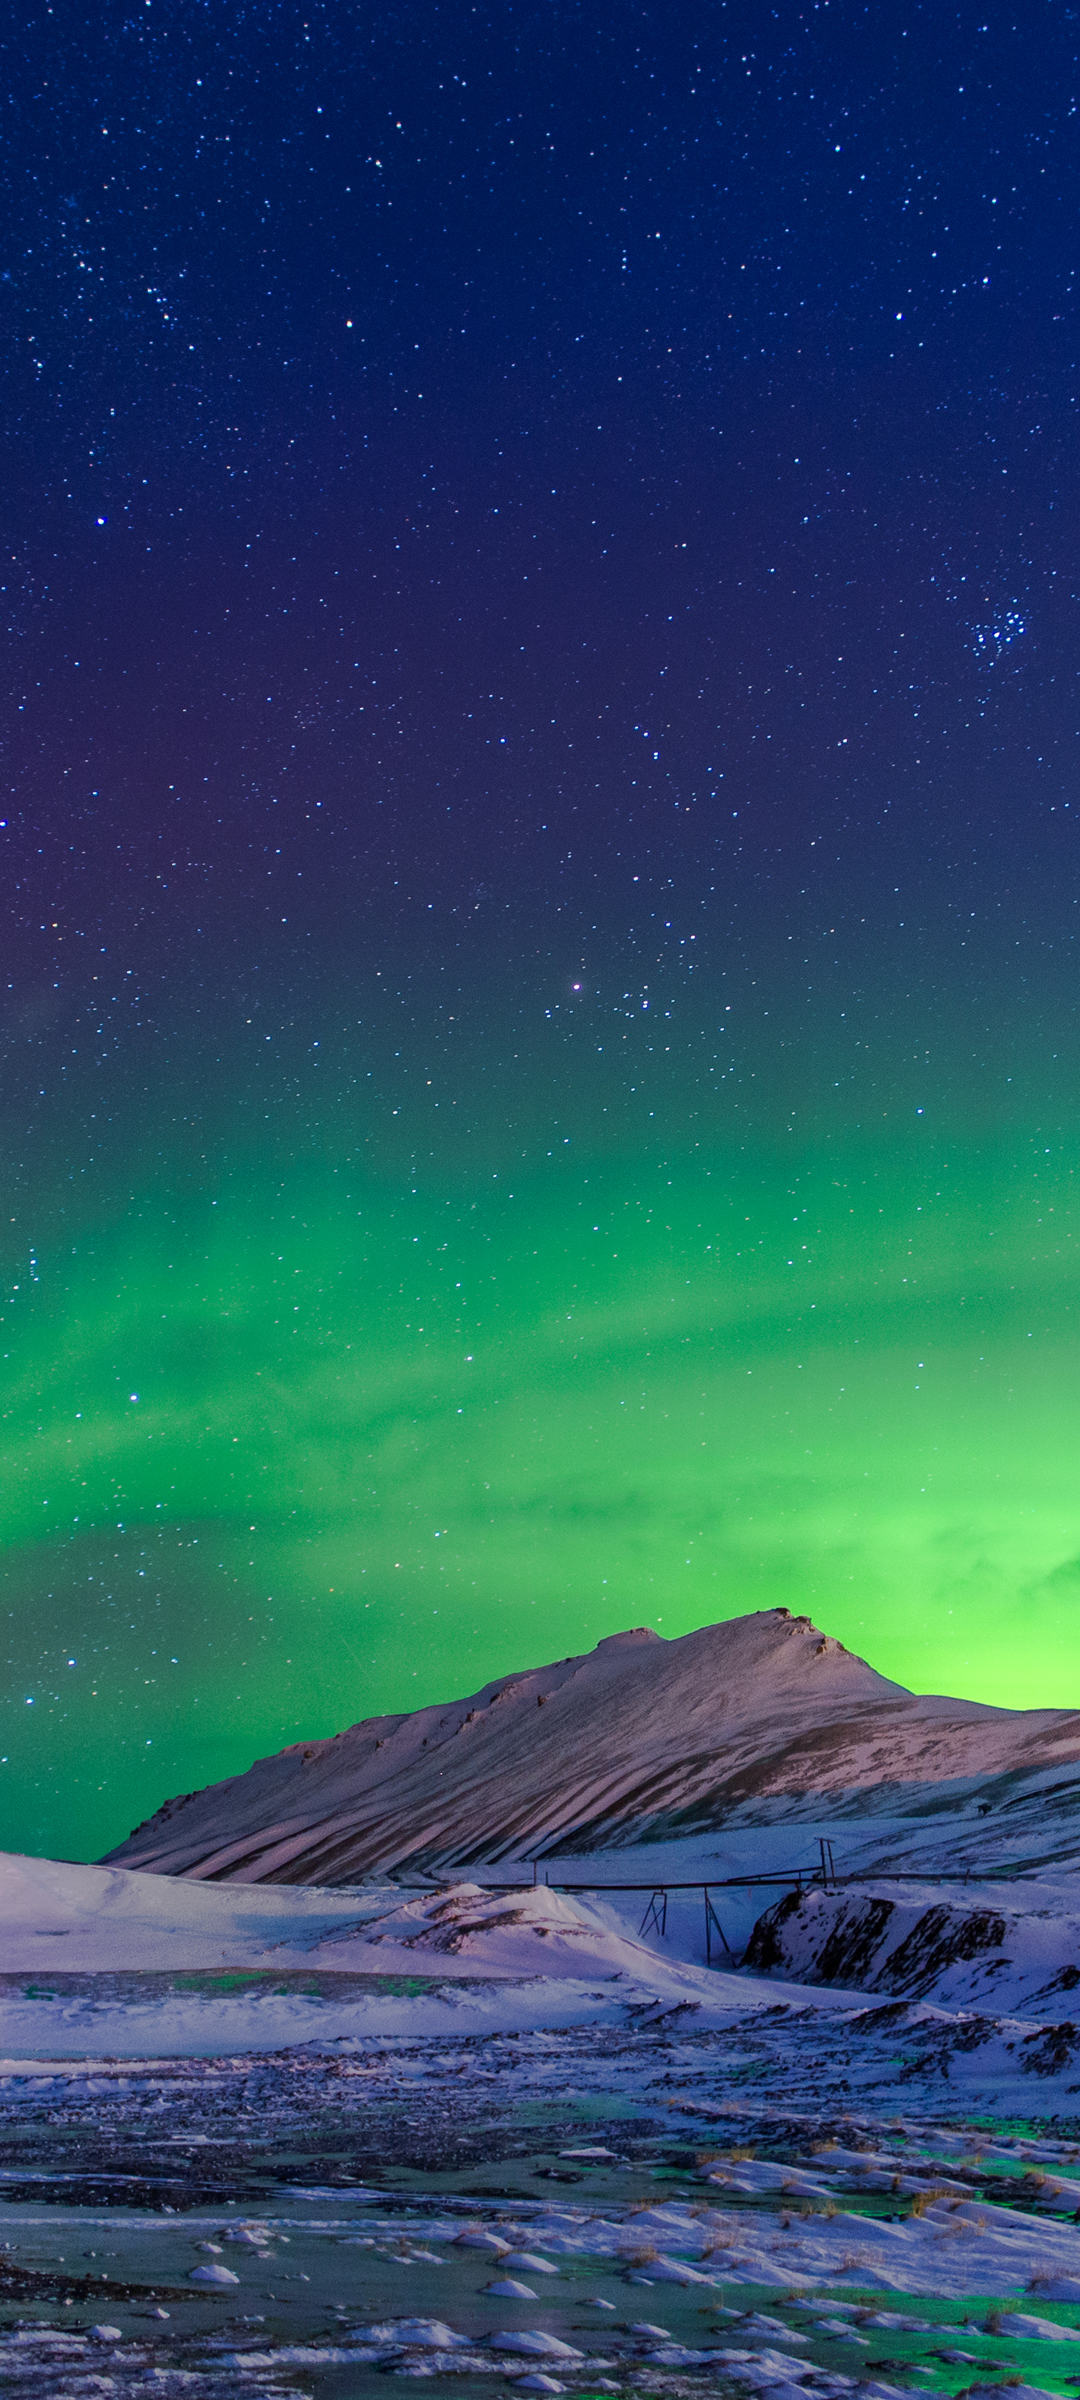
(540,1033)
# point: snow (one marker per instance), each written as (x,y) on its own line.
(1003,1944)
(534,2345)
(492,1961)
(1037,2329)
(884,2102)
(758,1718)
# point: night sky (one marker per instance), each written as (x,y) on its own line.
(539,881)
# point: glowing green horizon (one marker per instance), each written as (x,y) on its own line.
(387,1444)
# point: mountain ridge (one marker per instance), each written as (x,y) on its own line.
(640,1739)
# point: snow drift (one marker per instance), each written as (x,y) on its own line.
(90,1919)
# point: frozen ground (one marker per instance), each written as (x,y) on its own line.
(272,2140)
(647,2207)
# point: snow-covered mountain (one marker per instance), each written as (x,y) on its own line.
(638,1741)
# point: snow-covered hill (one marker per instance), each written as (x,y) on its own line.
(68,1918)
(1006,1947)
(639,1741)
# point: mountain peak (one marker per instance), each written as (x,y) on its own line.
(640,1739)
(624,1641)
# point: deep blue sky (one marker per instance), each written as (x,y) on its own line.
(541,579)
(460,456)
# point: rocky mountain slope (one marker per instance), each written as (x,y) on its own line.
(640,1740)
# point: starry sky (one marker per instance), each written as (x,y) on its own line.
(538,872)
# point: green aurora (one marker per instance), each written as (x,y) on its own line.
(324,1446)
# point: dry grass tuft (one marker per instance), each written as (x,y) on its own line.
(925,2200)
